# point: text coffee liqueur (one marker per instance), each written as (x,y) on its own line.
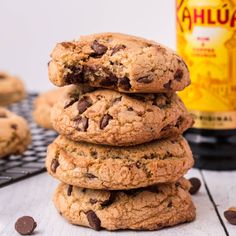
(206,39)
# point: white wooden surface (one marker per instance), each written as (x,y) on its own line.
(33,197)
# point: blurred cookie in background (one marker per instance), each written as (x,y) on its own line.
(15,133)
(12,89)
(42,107)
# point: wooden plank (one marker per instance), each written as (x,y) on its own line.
(33,197)
(222,186)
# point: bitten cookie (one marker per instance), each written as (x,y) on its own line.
(109,117)
(105,167)
(14,133)
(11,89)
(120,62)
(149,208)
(43,105)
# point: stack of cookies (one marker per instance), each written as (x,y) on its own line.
(120,155)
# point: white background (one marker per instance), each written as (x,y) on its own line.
(29,29)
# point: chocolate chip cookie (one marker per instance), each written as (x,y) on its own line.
(14,133)
(148,208)
(11,89)
(119,62)
(113,118)
(42,107)
(105,167)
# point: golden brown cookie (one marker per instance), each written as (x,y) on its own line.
(14,133)
(120,62)
(113,118)
(11,89)
(149,208)
(43,105)
(105,167)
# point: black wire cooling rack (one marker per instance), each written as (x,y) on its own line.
(18,167)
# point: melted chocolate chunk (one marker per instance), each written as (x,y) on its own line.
(2,76)
(179,122)
(98,48)
(105,120)
(145,80)
(14,126)
(93,201)
(137,96)
(93,220)
(118,99)
(54,165)
(90,176)
(110,200)
(167,85)
(3,114)
(70,102)
(82,123)
(83,104)
(117,48)
(75,76)
(68,45)
(69,190)
(178,75)
(108,81)
(124,83)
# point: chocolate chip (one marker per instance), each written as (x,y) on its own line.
(124,83)
(2,76)
(130,109)
(230,215)
(132,192)
(110,200)
(90,176)
(67,44)
(118,99)
(138,164)
(110,80)
(93,154)
(3,114)
(93,201)
(69,190)
(178,75)
(170,204)
(75,76)
(145,80)
(137,96)
(54,165)
(70,102)
(167,127)
(179,122)
(14,126)
(196,184)
(167,85)
(93,220)
(105,120)
(153,189)
(83,104)
(98,48)
(25,225)
(117,48)
(82,124)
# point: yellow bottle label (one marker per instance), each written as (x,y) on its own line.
(206,39)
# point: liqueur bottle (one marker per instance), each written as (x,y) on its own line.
(206,39)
